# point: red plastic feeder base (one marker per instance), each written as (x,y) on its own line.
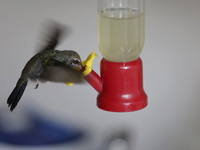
(122,86)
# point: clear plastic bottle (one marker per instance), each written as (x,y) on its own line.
(121,32)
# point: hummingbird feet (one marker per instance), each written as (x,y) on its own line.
(36,86)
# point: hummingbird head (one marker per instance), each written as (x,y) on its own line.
(73,60)
(75,63)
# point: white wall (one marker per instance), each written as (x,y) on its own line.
(171,69)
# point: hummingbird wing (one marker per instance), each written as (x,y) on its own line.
(52,37)
(61,73)
(53,34)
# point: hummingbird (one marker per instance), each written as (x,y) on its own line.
(48,65)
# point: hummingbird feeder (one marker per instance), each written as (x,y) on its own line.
(121,35)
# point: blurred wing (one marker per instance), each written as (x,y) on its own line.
(52,36)
(62,74)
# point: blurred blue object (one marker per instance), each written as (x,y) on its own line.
(34,129)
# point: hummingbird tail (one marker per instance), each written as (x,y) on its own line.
(17,93)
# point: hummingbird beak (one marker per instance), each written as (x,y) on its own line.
(80,67)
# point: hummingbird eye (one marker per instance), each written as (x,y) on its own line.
(76,62)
